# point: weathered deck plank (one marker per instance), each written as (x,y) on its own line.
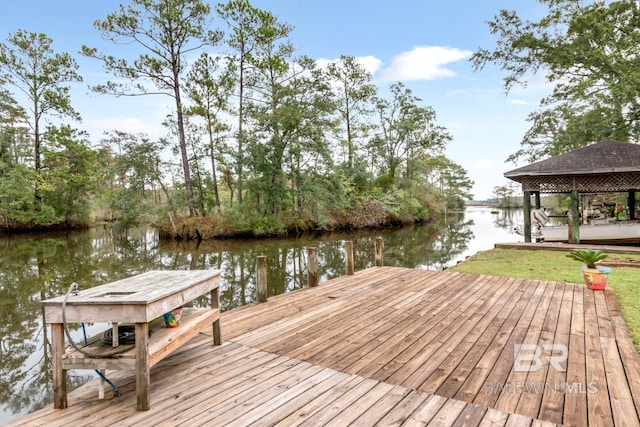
(423,313)
(390,346)
(495,311)
(459,374)
(513,386)
(552,403)
(598,404)
(575,404)
(529,403)
(448,376)
(630,360)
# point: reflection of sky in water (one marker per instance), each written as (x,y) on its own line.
(33,362)
(490,228)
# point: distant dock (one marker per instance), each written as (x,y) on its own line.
(567,247)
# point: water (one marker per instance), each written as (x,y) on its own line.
(33,268)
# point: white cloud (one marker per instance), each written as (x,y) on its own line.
(423,63)
(370,63)
(323,63)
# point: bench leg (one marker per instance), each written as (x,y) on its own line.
(215,303)
(143,371)
(59,374)
(102,383)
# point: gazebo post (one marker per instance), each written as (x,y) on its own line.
(537,199)
(526,206)
(574,219)
(632,205)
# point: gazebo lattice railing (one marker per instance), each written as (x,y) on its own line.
(618,182)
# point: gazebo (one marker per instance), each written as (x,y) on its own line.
(603,167)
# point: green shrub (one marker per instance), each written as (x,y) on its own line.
(589,257)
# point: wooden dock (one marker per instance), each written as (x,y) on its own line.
(392,346)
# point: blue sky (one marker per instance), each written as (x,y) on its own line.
(423,43)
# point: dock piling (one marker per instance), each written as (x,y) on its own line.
(379,246)
(312,272)
(261,278)
(349,255)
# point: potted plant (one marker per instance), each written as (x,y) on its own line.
(595,277)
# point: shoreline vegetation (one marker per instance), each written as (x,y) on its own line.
(232,224)
(547,265)
(217,228)
(237,223)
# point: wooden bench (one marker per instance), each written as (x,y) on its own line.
(138,300)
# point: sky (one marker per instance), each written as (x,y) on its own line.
(426,44)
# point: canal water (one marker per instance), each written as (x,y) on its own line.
(33,268)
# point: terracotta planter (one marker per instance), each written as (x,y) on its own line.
(595,278)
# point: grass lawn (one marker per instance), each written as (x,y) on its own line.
(556,266)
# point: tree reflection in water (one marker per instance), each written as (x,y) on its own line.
(33,268)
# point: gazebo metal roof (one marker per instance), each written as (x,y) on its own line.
(606,166)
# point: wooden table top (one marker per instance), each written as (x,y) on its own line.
(138,298)
(141,289)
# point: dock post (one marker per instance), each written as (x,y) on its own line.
(349,251)
(379,246)
(312,272)
(261,278)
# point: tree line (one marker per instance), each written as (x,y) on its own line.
(261,139)
(589,54)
